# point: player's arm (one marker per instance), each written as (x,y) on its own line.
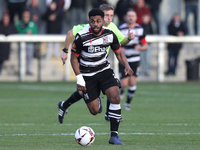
(120,56)
(143,46)
(79,77)
(126,40)
(75,52)
(74,63)
(69,38)
(122,39)
(122,60)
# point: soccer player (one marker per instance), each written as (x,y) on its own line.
(132,53)
(108,17)
(77,95)
(92,69)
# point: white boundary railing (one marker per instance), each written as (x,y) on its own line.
(160,40)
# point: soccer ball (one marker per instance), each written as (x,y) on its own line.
(84,136)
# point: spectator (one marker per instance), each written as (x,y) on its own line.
(146,55)
(35,13)
(53,18)
(140,8)
(191,6)
(36,16)
(6,28)
(176,28)
(15,6)
(78,7)
(29,27)
(121,9)
(154,9)
(62,6)
(147,24)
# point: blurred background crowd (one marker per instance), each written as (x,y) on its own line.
(64,14)
(158,17)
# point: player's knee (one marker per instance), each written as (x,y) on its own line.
(115,99)
(94,111)
(124,85)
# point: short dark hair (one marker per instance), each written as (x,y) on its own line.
(106,7)
(96,12)
(26,9)
(131,9)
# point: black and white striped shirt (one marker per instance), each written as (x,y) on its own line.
(131,54)
(92,50)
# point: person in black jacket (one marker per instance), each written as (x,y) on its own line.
(177,28)
(146,18)
(121,9)
(6,28)
(146,55)
(15,7)
(54,20)
(154,6)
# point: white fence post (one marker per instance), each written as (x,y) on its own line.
(22,61)
(161,61)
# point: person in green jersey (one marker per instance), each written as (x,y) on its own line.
(29,27)
(76,96)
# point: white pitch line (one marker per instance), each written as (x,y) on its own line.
(70,134)
(99,124)
(73,88)
(168,124)
(43,88)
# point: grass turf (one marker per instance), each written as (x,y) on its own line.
(163,116)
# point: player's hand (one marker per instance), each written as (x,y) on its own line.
(52,17)
(131,35)
(137,47)
(63,57)
(81,88)
(128,71)
(180,33)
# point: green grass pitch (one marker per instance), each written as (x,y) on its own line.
(163,116)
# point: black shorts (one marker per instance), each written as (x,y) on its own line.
(99,82)
(134,66)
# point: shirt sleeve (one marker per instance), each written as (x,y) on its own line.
(77,28)
(77,45)
(142,38)
(118,33)
(115,46)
